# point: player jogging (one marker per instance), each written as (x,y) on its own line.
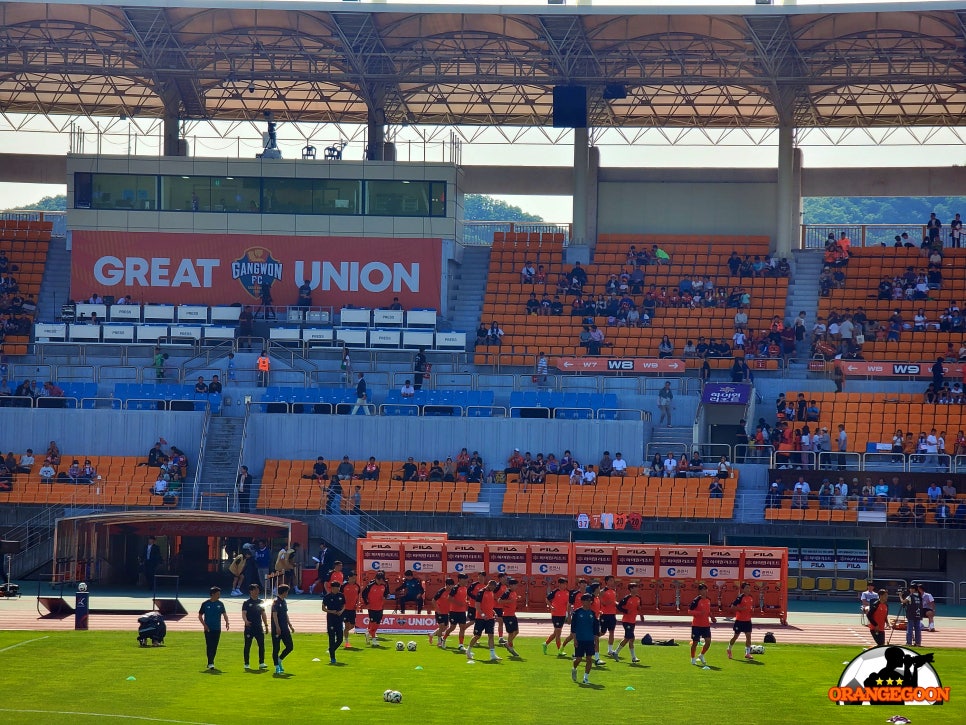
(701,621)
(585,628)
(472,591)
(374,596)
(501,588)
(256,625)
(333,604)
(743,606)
(485,620)
(558,602)
(458,603)
(351,593)
(441,598)
(630,607)
(508,602)
(608,612)
(282,629)
(335,577)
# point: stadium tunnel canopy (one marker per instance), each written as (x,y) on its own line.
(745,66)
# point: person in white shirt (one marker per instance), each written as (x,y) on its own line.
(160,486)
(868,596)
(928,607)
(577,476)
(590,476)
(528,273)
(620,465)
(47,473)
(26,462)
(932,449)
(407,390)
(670,466)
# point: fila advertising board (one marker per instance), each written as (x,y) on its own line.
(221,269)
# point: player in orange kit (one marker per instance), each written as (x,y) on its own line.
(508,604)
(374,596)
(441,602)
(701,621)
(485,620)
(743,605)
(630,606)
(558,602)
(458,602)
(351,593)
(608,612)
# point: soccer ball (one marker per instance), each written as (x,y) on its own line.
(82,587)
(411,646)
(400,646)
(387,695)
(758,649)
(393,696)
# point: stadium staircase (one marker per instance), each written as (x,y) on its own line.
(55,284)
(219,468)
(803,291)
(675,438)
(493,494)
(468,288)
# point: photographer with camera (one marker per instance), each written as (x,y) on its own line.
(912,601)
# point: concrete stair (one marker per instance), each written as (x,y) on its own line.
(803,295)
(493,494)
(676,438)
(467,290)
(219,469)
(55,285)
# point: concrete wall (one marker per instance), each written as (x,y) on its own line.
(305,437)
(98,432)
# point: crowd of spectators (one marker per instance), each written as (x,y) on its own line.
(531,469)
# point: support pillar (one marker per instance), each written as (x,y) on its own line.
(593,176)
(376,135)
(581,168)
(173,143)
(787,201)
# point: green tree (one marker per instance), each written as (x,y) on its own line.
(48,203)
(483,208)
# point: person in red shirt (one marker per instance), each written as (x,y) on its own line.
(508,605)
(630,606)
(374,595)
(441,599)
(558,602)
(485,620)
(335,576)
(879,616)
(351,593)
(472,591)
(458,598)
(500,591)
(608,612)
(743,606)
(701,621)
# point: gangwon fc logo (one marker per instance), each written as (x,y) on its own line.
(255,268)
(890,676)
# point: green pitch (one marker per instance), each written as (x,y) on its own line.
(83,677)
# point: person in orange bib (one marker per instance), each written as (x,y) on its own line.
(701,621)
(508,604)
(630,606)
(743,605)
(485,620)
(351,593)
(374,595)
(441,602)
(458,602)
(558,602)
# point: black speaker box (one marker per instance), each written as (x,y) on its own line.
(569,107)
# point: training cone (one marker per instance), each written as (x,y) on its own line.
(344,707)
(132,678)
(629,689)
(419,667)
(316,659)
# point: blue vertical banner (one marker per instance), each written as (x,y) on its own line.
(81,610)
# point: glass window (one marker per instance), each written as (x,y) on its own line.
(124,191)
(337,196)
(287,196)
(405,198)
(236,194)
(210,193)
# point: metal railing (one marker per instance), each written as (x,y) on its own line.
(202,445)
(481,233)
(814,236)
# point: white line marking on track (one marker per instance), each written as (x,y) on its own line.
(26,641)
(104,714)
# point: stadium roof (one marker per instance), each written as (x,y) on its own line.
(741,67)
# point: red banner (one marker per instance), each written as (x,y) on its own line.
(619,365)
(863,368)
(220,269)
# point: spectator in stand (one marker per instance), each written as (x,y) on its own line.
(556,307)
(578,273)
(528,273)
(670,466)
(606,465)
(409,471)
(619,465)
(214,387)
(494,335)
(533,304)
(481,335)
(345,471)
(407,390)
(201,386)
(934,228)
(370,472)
(435,472)
(546,305)
(665,348)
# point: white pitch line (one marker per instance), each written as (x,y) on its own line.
(26,641)
(104,714)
